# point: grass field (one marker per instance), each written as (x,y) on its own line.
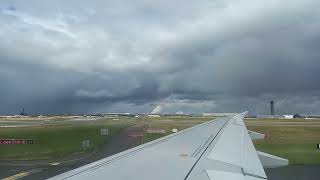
(292,139)
(53,141)
(298,144)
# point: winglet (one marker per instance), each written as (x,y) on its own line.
(242,115)
(238,119)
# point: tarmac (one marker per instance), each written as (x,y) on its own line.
(294,173)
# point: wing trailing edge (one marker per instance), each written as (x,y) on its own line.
(256,135)
(271,161)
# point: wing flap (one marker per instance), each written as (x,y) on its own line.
(271,161)
(213,175)
(235,147)
(256,135)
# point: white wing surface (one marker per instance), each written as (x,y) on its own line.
(220,149)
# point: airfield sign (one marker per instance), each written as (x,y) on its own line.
(16,141)
(104,132)
(85,144)
(155,131)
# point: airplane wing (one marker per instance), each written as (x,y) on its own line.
(220,149)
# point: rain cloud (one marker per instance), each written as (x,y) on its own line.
(131,56)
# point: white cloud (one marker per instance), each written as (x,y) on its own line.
(57,25)
(157,110)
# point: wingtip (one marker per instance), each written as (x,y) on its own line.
(243,114)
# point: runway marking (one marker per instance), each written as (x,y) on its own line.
(54,164)
(23,174)
(17,176)
(61,162)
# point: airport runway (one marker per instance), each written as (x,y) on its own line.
(40,123)
(289,123)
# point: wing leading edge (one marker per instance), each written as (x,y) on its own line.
(219,149)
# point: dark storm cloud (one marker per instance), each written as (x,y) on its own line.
(223,55)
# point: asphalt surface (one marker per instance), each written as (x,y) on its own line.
(294,173)
(41,123)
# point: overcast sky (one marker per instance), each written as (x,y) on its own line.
(132,56)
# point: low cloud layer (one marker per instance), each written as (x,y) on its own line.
(202,56)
